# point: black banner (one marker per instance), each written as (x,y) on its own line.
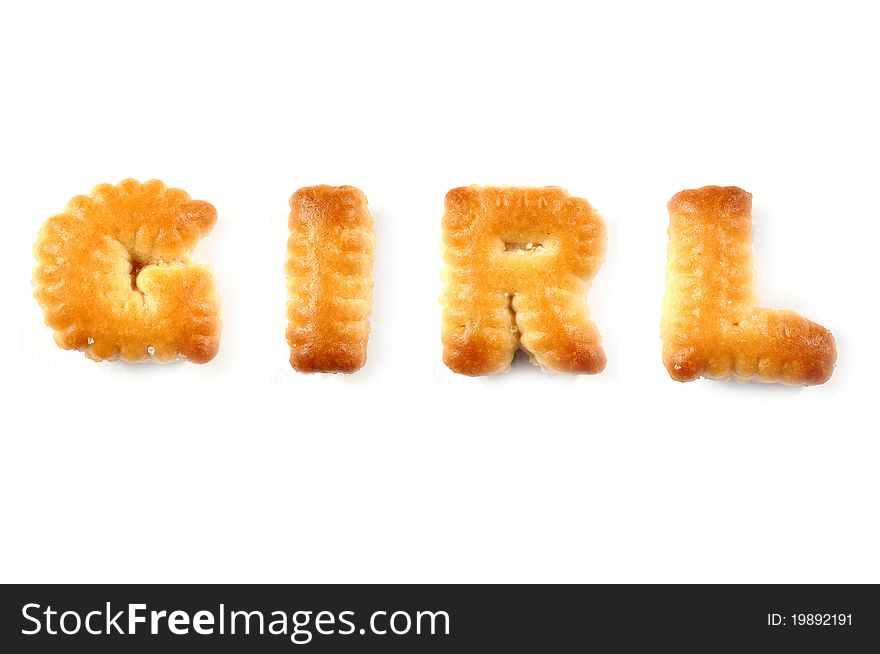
(444,618)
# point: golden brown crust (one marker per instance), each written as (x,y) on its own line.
(712,326)
(329,279)
(114,279)
(517,266)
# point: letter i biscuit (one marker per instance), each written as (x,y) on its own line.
(329,279)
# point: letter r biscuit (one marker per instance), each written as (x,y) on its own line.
(518,264)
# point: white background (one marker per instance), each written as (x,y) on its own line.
(243,470)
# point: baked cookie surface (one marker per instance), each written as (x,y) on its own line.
(330,256)
(114,276)
(518,262)
(712,325)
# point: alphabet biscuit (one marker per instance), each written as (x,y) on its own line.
(712,325)
(518,264)
(330,256)
(114,276)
